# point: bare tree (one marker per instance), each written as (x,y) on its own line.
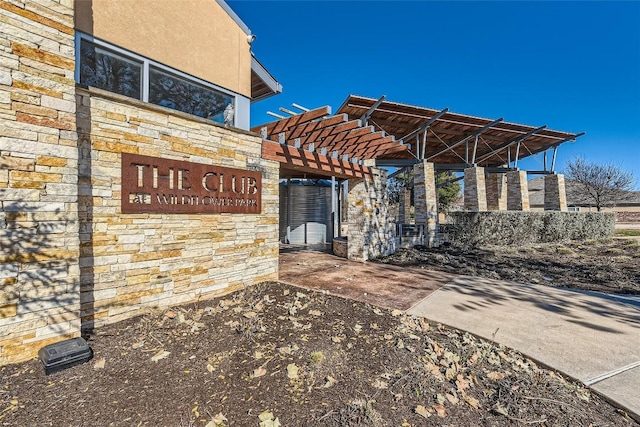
(602,185)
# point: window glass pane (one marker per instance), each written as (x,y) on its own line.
(179,94)
(109,71)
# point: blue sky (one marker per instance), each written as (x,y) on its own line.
(574,66)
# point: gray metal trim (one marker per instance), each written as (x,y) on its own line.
(425,125)
(365,116)
(466,138)
(223,4)
(266,77)
(510,143)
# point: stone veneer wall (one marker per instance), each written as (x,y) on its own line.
(39,274)
(404,207)
(371,227)
(69,258)
(426,201)
(475,190)
(129,262)
(555,196)
(496,185)
(517,191)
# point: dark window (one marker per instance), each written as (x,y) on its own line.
(171,91)
(110,71)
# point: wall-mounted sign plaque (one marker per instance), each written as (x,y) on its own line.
(155,185)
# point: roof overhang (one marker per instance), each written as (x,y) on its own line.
(367,132)
(443,137)
(263,84)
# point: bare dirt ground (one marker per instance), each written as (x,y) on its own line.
(608,265)
(277,355)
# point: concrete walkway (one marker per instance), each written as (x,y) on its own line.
(592,337)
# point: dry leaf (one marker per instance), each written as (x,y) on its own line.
(99,364)
(259,372)
(336,339)
(421,410)
(162,354)
(472,401)
(330,381)
(380,384)
(210,367)
(357,328)
(292,371)
(315,312)
(286,350)
(249,314)
(496,376)
(453,399)
(500,410)
(583,394)
(462,383)
(450,373)
(267,420)
(396,313)
(440,410)
(265,416)
(472,360)
(138,344)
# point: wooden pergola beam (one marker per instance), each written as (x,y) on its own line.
(312,163)
(322,138)
(315,127)
(288,123)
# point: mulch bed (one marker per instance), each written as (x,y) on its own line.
(279,355)
(608,265)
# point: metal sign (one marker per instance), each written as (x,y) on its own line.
(155,185)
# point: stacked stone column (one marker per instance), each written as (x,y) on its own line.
(370,224)
(475,196)
(39,267)
(555,197)
(404,213)
(497,192)
(517,191)
(426,200)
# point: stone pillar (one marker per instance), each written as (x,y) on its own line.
(497,192)
(517,191)
(39,234)
(555,197)
(475,196)
(371,228)
(404,214)
(426,200)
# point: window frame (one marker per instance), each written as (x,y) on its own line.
(238,100)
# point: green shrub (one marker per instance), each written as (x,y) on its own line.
(516,228)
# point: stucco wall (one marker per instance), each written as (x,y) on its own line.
(129,262)
(194,36)
(39,298)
